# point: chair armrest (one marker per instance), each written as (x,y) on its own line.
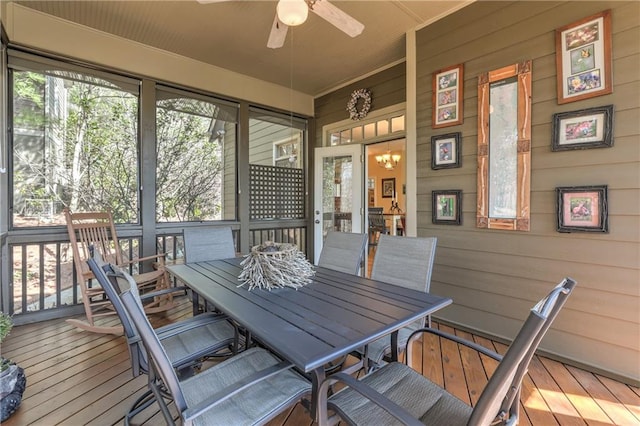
(160,257)
(377,398)
(151,295)
(473,345)
(190,323)
(226,393)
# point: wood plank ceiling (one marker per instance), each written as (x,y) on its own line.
(316,56)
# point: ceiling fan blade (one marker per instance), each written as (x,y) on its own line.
(278,34)
(337,17)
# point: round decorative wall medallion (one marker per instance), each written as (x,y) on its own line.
(354,102)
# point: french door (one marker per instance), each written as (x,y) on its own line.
(337,192)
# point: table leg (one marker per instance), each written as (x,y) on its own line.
(394,346)
(195,300)
(317,377)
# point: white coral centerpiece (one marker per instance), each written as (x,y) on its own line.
(272,265)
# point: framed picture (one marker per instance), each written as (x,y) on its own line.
(583,58)
(445,151)
(582,209)
(447,207)
(586,128)
(389,188)
(447,96)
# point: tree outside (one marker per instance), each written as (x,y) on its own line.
(76,145)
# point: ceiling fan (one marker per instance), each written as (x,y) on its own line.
(294,12)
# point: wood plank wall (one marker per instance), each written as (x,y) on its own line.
(387,87)
(495,276)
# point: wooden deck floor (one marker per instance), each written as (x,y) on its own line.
(76,378)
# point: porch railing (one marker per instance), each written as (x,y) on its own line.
(41,273)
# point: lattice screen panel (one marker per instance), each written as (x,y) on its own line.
(276,192)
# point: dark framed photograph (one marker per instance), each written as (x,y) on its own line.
(583,58)
(586,128)
(389,188)
(447,207)
(582,209)
(447,96)
(445,151)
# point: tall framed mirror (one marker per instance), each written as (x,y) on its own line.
(504,148)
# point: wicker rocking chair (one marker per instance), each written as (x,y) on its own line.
(96,229)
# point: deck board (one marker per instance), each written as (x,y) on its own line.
(626,395)
(453,372)
(474,373)
(576,394)
(77,377)
(558,403)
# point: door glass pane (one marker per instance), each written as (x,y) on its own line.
(345,136)
(383,127)
(356,134)
(397,124)
(335,139)
(369,130)
(337,204)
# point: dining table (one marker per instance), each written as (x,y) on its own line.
(332,316)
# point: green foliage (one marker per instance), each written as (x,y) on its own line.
(6,324)
(76,145)
(29,98)
(85,156)
(189,169)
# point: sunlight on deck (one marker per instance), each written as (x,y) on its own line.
(589,408)
(535,401)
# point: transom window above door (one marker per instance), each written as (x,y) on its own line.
(368,130)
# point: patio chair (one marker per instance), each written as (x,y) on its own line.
(396,394)
(186,342)
(406,262)
(206,243)
(377,226)
(247,389)
(343,251)
(97,230)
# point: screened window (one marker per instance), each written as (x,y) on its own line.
(74,142)
(276,175)
(196,157)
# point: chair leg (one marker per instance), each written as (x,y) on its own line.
(163,405)
(140,404)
